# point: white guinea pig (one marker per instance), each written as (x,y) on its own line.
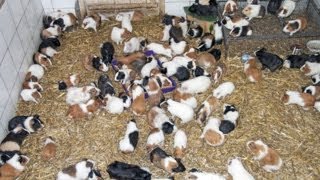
(237,170)
(132,45)
(196,85)
(181,110)
(160,49)
(180,144)
(126,22)
(286,9)
(223,90)
(119,34)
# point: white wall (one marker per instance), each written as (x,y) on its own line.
(63,5)
(20,24)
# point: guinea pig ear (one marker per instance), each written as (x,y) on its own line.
(303,88)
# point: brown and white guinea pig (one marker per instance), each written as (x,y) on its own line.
(130,140)
(71,81)
(180,144)
(30,95)
(66,21)
(206,42)
(92,62)
(211,133)
(313,90)
(236,21)
(41,59)
(160,49)
(304,100)
(241,31)
(81,170)
(125,75)
(293,26)
(138,105)
(206,108)
(13,140)
(53,31)
(76,95)
(82,110)
(184,97)
(163,80)
(118,35)
(218,72)
(157,118)
(286,9)
(93,22)
(134,15)
(195,174)
(13,167)
(130,58)
(165,161)
(155,139)
(252,71)
(32,85)
(310,68)
(230,7)
(206,60)
(29,123)
(254,11)
(35,73)
(268,158)
(151,63)
(154,91)
(237,170)
(49,149)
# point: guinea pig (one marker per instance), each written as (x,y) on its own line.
(165,161)
(176,33)
(218,72)
(92,22)
(274,6)
(206,59)
(49,150)
(251,70)
(82,110)
(160,49)
(121,170)
(125,75)
(195,174)
(66,21)
(183,97)
(7,155)
(42,60)
(105,86)
(32,85)
(223,90)
(151,64)
(165,33)
(76,95)
(230,116)
(305,100)
(34,73)
(268,158)
(205,109)
(235,21)
(269,60)
(14,167)
(286,8)
(295,61)
(310,68)
(30,95)
(47,20)
(183,23)
(230,7)
(157,118)
(196,85)
(254,11)
(138,105)
(313,90)
(296,25)
(163,80)
(178,47)
(218,35)
(206,42)
(115,105)
(119,34)
(237,170)
(131,58)
(211,133)
(241,31)
(13,140)
(52,31)
(182,74)
(29,123)
(316,79)
(80,170)
(209,9)
(126,99)
(154,92)
(48,47)
(180,110)
(71,81)
(126,22)
(130,140)
(92,62)
(199,71)
(107,52)
(155,139)
(196,31)
(133,45)
(253,2)
(180,144)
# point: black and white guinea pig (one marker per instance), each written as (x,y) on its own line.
(30,123)
(274,6)
(121,170)
(167,19)
(216,53)
(199,71)
(218,35)
(14,139)
(182,73)
(105,86)
(241,31)
(313,90)
(6,155)
(176,33)
(47,21)
(130,140)
(92,62)
(107,52)
(295,61)
(230,116)
(49,42)
(316,79)
(269,60)
(195,32)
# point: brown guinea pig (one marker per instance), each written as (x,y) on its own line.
(130,58)
(138,100)
(252,71)
(49,150)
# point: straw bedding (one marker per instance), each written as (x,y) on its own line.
(290,130)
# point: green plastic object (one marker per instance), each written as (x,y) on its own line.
(203,18)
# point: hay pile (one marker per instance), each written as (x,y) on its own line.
(290,130)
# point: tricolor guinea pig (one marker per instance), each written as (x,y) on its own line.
(91,22)
(157,118)
(80,170)
(310,68)
(13,140)
(52,31)
(49,149)
(42,60)
(195,174)
(66,21)
(82,110)
(296,25)
(151,64)
(206,108)
(269,60)
(119,34)
(125,75)
(196,31)
(304,100)
(30,95)
(155,139)
(13,167)
(230,7)
(35,73)
(286,9)
(254,11)
(121,170)
(268,158)
(237,170)
(236,21)
(180,144)
(313,90)
(71,81)
(241,31)
(32,85)
(251,70)
(138,105)
(91,62)
(206,42)
(211,133)
(130,140)
(30,123)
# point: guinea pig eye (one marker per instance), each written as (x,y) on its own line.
(313,80)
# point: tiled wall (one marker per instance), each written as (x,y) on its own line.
(20,25)
(54,5)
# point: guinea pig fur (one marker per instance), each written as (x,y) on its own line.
(219,71)
(180,144)
(53,31)
(30,95)
(269,60)
(80,170)
(313,90)
(295,61)
(165,33)
(251,70)
(253,2)
(32,85)
(235,21)
(92,62)
(195,174)
(138,105)
(160,49)
(223,90)
(206,108)
(305,100)
(130,140)
(237,170)
(30,123)
(230,7)
(82,110)
(121,170)
(49,150)
(14,167)
(195,32)
(107,52)
(196,85)
(315,79)
(293,26)
(218,35)
(35,73)
(178,48)
(130,58)
(206,42)
(125,75)
(157,118)
(165,161)
(152,63)
(273,6)
(13,140)
(93,22)
(206,60)
(119,34)
(42,60)
(268,158)
(230,116)
(126,22)
(155,139)
(134,15)
(211,133)
(68,20)
(76,95)
(317,105)
(176,33)
(183,97)
(165,82)
(254,11)
(310,68)
(114,104)
(71,81)
(181,110)
(154,92)
(241,31)
(105,86)
(199,71)
(132,45)
(286,9)
(182,74)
